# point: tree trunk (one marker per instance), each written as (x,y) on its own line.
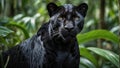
(101,25)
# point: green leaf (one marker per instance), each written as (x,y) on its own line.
(85,53)
(20,27)
(95,34)
(4,31)
(112,57)
(86,63)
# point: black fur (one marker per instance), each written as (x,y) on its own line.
(53,46)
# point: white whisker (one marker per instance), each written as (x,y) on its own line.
(60,30)
(49,29)
(53,21)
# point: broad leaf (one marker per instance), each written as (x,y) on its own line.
(86,63)
(4,31)
(20,27)
(85,53)
(112,57)
(95,34)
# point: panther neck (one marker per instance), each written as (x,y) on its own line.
(58,44)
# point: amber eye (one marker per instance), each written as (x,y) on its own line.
(61,18)
(76,18)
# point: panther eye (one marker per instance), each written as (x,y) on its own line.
(60,18)
(76,18)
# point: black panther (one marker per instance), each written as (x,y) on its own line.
(55,44)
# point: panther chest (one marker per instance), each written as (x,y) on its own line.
(60,60)
(63,57)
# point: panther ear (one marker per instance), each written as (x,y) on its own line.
(51,7)
(82,9)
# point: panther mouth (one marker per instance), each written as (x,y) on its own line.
(68,33)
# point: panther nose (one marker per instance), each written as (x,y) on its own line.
(69,26)
(69,29)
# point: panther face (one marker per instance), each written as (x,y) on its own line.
(67,20)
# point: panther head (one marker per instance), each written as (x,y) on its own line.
(67,20)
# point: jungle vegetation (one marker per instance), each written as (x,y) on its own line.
(99,41)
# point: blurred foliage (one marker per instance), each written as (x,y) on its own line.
(20,19)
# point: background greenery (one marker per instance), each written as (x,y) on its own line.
(98,41)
